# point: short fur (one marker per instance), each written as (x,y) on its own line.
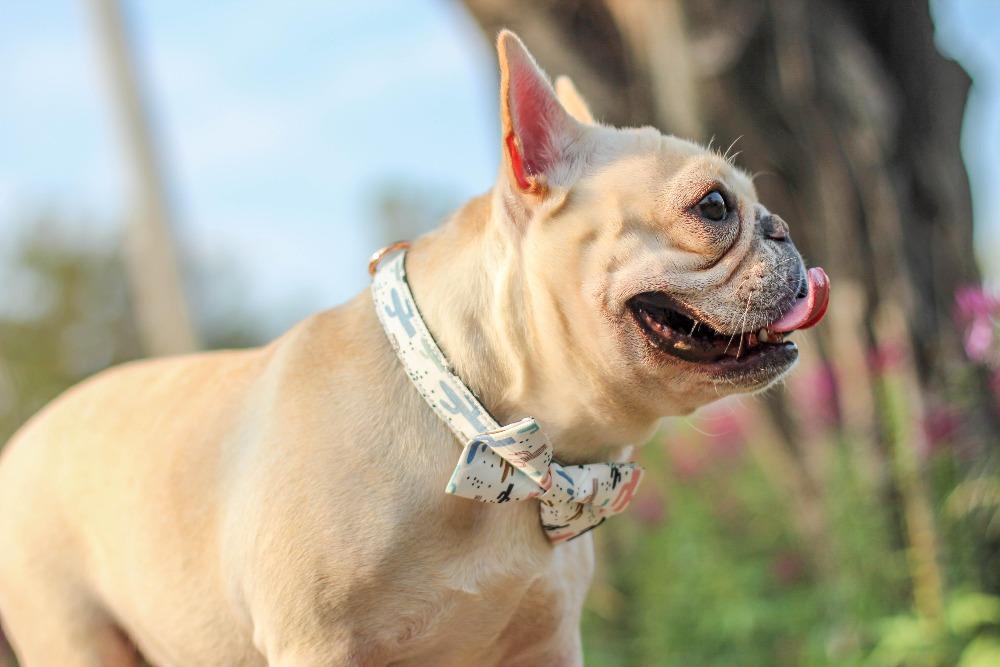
(284,506)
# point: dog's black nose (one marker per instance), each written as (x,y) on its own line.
(774,227)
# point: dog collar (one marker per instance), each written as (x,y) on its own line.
(498,463)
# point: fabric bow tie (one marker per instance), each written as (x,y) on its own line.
(515,463)
(498,463)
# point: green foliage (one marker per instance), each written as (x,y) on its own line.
(66,316)
(727,576)
(725,580)
(969,636)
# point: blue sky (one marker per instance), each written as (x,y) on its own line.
(278,127)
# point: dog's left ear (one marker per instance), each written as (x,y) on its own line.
(539,136)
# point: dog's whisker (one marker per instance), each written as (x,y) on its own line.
(725,155)
(743,327)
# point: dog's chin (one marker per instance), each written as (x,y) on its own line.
(738,362)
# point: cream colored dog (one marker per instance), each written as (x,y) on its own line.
(284,505)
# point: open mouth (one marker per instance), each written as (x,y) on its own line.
(674,329)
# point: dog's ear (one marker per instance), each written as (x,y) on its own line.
(573,101)
(538,134)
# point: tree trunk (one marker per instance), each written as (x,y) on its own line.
(158,298)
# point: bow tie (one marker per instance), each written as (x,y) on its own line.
(498,463)
(515,463)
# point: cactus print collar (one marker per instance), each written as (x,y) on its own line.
(498,463)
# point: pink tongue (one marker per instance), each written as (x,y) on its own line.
(809,310)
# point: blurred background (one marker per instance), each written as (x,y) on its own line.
(182,175)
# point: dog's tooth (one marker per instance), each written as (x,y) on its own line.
(768,336)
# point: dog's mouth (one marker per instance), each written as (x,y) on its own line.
(675,329)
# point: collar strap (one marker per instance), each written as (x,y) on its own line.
(498,463)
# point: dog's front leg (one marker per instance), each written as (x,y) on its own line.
(299,641)
(337,654)
(564,650)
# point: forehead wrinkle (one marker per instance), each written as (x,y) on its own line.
(625,171)
(624,189)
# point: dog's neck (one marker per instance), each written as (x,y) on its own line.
(469,283)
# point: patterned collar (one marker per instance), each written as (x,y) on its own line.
(498,463)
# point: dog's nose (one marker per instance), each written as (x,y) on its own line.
(774,227)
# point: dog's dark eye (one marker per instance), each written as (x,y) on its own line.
(713,206)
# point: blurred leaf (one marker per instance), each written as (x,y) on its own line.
(907,640)
(983,652)
(967,612)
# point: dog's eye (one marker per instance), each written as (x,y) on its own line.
(713,206)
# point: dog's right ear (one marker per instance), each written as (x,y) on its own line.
(573,101)
(539,136)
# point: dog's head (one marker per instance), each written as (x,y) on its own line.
(652,270)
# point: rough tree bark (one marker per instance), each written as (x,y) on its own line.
(851,119)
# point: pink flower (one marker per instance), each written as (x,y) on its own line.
(979,339)
(940,426)
(725,431)
(648,507)
(977,313)
(687,462)
(787,568)
(815,394)
(886,357)
(972,301)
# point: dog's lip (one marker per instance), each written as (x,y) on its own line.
(803,312)
(665,301)
(740,365)
(667,326)
(757,370)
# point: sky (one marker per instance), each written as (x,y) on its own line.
(278,128)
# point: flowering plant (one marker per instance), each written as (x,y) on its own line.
(977,312)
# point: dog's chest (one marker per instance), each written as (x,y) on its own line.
(488,602)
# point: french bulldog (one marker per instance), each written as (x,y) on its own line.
(284,505)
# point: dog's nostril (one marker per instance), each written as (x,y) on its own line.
(803,288)
(774,228)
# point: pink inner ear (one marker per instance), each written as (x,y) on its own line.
(516,163)
(536,118)
(531,108)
